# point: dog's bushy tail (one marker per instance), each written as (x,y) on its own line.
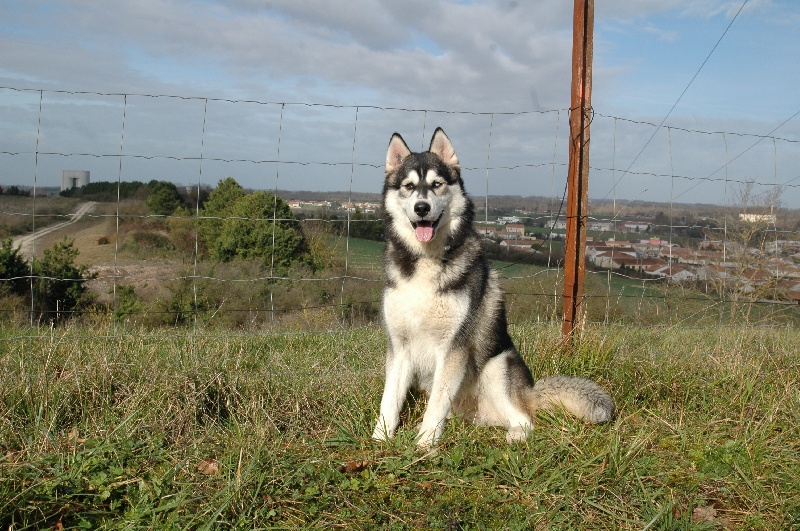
(581,397)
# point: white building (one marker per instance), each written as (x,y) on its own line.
(73,179)
(763,219)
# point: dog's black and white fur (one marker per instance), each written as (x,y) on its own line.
(445,314)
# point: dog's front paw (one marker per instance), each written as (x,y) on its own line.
(517,434)
(427,438)
(382,433)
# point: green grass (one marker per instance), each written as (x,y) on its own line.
(362,254)
(16,213)
(106,428)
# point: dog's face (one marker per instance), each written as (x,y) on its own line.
(423,192)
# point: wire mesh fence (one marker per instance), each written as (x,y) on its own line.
(264,217)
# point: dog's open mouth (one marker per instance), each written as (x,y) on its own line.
(425,230)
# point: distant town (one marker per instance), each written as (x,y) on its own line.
(639,244)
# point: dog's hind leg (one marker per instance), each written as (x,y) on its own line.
(398,381)
(500,400)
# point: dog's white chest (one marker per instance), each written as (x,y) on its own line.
(422,318)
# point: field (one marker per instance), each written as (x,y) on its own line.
(15,212)
(247,417)
(108,427)
(154,258)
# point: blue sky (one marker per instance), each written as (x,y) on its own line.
(749,75)
(466,58)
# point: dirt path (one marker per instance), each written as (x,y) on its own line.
(26,243)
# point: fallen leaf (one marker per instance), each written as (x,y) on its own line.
(704,514)
(353,467)
(13,456)
(208,466)
(73,437)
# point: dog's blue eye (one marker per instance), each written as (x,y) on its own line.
(436,184)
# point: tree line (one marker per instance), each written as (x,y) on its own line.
(14,190)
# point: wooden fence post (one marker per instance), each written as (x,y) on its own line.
(578,177)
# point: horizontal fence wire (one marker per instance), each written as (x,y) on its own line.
(654,259)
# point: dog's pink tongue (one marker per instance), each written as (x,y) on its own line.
(424,231)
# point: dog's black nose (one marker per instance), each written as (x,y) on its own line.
(422,208)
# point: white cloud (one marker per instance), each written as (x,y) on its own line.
(508,55)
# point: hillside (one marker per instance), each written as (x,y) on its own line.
(126,428)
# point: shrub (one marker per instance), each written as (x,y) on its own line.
(256,226)
(127,303)
(59,287)
(163,198)
(218,206)
(13,269)
(252,233)
(182,232)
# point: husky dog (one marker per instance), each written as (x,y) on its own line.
(445,314)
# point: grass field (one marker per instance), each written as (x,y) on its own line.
(112,428)
(16,218)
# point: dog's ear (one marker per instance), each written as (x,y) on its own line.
(398,151)
(441,146)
